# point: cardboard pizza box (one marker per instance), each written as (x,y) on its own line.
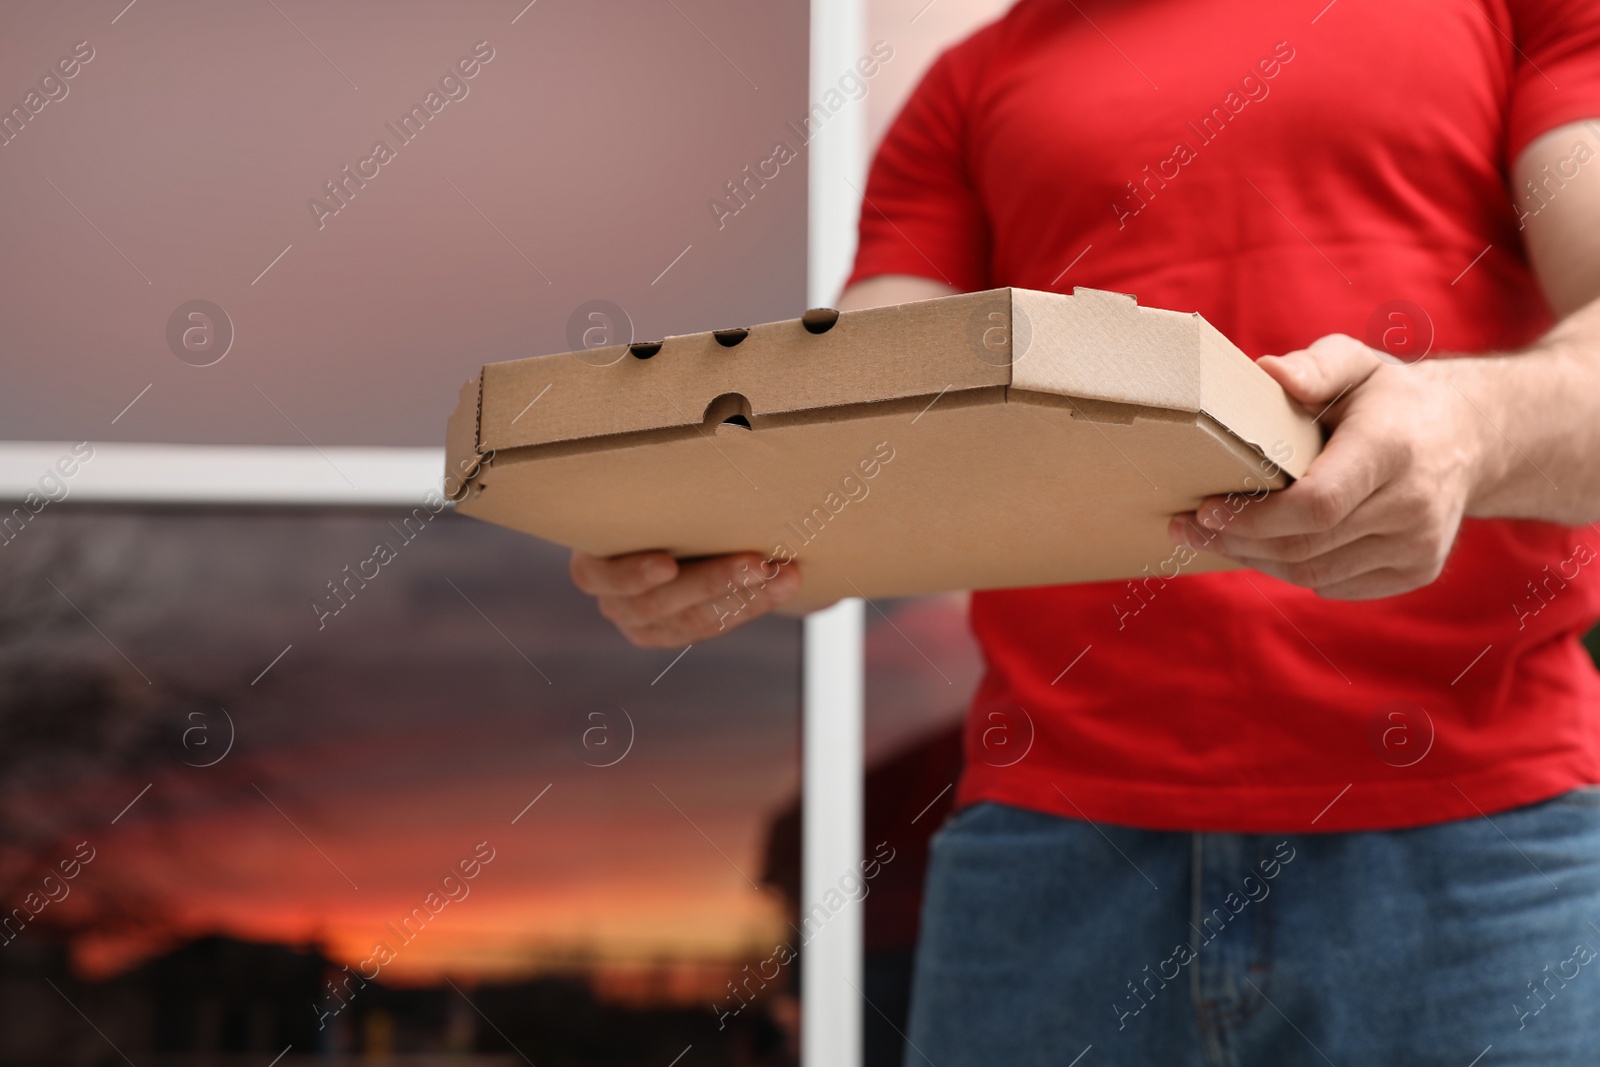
(985,440)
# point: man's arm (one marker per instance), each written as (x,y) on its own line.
(1550,406)
(887,289)
(1416,448)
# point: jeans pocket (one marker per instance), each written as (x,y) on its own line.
(979,819)
(963,817)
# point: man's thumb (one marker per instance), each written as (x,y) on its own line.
(1320,374)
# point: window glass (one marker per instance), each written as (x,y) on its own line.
(266,786)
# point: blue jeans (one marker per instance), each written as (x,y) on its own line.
(1050,941)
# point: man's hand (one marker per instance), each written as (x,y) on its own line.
(1378,511)
(658,602)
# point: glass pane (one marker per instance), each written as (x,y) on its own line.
(541,163)
(265,786)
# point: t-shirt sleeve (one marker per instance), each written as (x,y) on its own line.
(1556,78)
(921,214)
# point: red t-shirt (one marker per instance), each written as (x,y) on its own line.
(1287,170)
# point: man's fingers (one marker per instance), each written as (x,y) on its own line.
(1347,472)
(697,583)
(1295,548)
(621,575)
(1321,373)
(1385,512)
(711,618)
(658,602)
(1332,568)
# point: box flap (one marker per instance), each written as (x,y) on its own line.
(875,354)
(1094,347)
(1103,346)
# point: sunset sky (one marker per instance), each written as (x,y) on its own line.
(408,730)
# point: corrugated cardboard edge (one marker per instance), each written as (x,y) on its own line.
(1103,346)
(1250,403)
(462,459)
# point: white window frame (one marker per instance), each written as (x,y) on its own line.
(833,700)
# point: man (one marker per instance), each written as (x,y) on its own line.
(1336,806)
